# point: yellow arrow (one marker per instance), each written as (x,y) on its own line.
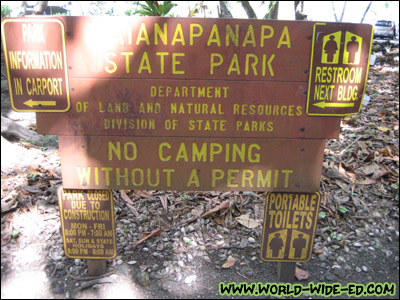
(324,104)
(32,103)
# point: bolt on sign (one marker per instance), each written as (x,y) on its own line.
(36,64)
(289,226)
(87,222)
(339,68)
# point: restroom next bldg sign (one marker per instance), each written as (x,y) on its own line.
(339,68)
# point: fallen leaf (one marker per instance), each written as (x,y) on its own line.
(334,173)
(379,174)
(219,221)
(197,211)
(366,181)
(346,170)
(384,129)
(223,205)
(370,169)
(301,274)
(386,152)
(144,194)
(164,202)
(133,209)
(126,198)
(318,251)
(248,222)
(146,236)
(370,156)
(363,146)
(230,262)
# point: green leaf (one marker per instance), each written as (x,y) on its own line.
(343,209)
(322,215)
(14,234)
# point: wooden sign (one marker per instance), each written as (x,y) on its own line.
(289,226)
(36,64)
(98,162)
(339,68)
(206,108)
(187,48)
(87,221)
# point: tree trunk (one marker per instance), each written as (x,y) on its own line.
(273,13)
(22,11)
(39,8)
(299,10)
(224,10)
(248,9)
(334,11)
(344,8)
(13,131)
(369,5)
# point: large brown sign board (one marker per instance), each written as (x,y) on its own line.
(253,79)
(36,64)
(289,226)
(146,82)
(87,222)
(339,68)
(100,162)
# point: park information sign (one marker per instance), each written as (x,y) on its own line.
(289,226)
(36,64)
(87,222)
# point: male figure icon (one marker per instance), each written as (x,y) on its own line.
(276,244)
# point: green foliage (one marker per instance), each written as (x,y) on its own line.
(153,8)
(60,14)
(5,11)
(14,234)
(343,209)
(32,176)
(322,215)
(333,235)
(184,197)
(130,11)
(272,12)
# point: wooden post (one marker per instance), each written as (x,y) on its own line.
(96,267)
(286,271)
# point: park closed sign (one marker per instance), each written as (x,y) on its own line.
(188,104)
